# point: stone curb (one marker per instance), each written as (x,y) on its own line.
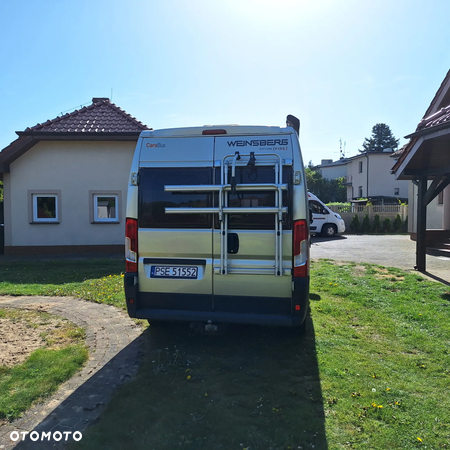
(115,348)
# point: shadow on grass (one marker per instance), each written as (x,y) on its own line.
(252,387)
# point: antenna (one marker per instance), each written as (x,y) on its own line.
(342,152)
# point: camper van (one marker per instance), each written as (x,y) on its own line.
(217,227)
(324,221)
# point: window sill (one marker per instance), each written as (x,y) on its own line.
(106,222)
(45,222)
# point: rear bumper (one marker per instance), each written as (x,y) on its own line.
(218,317)
(289,312)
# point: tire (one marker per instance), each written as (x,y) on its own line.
(329,230)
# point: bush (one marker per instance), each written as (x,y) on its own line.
(355,224)
(340,207)
(376,226)
(397,224)
(365,225)
(387,225)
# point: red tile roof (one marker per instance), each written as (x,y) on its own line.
(439,118)
(100,117)
(102,120)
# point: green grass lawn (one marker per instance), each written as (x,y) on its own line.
(382,340)
(373,371)
(100,281)
(62,353)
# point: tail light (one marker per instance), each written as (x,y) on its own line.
(301,249)
(131,251)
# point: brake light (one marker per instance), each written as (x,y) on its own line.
(212,132)
(131,252)
(301,249)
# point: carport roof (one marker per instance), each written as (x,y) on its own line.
(427,152)
(102,120)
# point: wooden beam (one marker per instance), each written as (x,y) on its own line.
(421,246)
(436,187)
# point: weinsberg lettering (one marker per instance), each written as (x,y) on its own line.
(258,143)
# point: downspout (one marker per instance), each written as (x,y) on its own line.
(367,187)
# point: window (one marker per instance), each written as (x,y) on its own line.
(440,198)
(253,199)
(153,199)
(316,207)
(104,206)
(360,191)
(396,191)
(44,206)
(360,167)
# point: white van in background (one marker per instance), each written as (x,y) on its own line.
(217,227)
(325,222)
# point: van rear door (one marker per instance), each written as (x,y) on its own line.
(252,243)
(175,257)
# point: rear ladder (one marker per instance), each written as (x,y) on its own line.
(223,210)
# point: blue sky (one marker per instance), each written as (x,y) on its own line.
(340,66)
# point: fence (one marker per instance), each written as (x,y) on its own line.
(347,212)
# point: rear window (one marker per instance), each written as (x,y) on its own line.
(153,199)
(256,199)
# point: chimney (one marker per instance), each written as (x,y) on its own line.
(100,99)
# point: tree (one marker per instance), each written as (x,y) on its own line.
(327,190)
(382,139)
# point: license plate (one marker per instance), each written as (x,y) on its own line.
(173,272)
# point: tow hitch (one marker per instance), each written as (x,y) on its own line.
(208,328)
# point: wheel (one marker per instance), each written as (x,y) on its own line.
(329,230)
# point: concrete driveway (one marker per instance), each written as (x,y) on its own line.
(391,251)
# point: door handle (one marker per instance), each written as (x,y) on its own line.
(232,243)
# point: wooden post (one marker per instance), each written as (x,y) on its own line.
(421,245)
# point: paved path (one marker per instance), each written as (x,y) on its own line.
(115,347)
(391,251)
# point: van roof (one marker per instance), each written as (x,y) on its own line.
(250,130)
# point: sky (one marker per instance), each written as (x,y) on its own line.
(340,66)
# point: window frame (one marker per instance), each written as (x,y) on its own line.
(33,195)
(93,206)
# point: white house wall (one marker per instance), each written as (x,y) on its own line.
(380,181)
(333,172)
(438,215)
(74,169)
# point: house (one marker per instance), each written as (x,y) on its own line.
(426,162)
(331,170)
(367,175)
(65,182)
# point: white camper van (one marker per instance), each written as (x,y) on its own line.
(217,227)
(324,221)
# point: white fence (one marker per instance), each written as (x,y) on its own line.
(384,211)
